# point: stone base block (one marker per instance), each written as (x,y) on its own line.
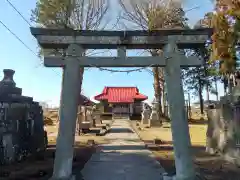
(168,177)
(69,178)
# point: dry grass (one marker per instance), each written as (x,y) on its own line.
(196,115)
(210,167)
(79,140)
(197,133)
(41,167)
(50,117)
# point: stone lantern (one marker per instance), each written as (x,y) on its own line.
(154,113)
(145,116)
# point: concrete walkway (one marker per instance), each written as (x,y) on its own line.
(124,158)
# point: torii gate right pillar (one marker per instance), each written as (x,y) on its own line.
(179,123)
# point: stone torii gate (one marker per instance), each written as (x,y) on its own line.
(77,42)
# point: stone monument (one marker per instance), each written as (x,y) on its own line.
(21,122)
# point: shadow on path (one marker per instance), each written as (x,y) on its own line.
(121,130)
(125,147)
(122,166)
(198,121)
(41,169)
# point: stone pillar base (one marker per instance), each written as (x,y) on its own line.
(69,178)
(168,177)
(174,177)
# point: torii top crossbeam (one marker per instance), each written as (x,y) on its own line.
(61,38)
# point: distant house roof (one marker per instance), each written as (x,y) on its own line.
(120,95)
(83,100)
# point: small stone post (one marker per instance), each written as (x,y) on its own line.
(179,125)
(70,96)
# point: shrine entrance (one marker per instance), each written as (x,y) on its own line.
(121,109)
(77,42)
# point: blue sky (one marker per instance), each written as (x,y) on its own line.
(44,83)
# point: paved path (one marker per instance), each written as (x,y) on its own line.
(124,158)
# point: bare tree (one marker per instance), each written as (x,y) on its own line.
(154,15)
(73,14)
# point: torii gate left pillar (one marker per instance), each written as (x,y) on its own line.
(68,115)
(74,59)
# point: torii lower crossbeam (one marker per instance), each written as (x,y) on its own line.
(123,62)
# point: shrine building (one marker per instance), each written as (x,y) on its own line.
(85,101)
(121,101)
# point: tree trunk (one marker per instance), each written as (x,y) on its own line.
(157,91)
(163,98)
(81,73)
(161,86)
(225,84)
(216,88)
(207,91)
(201,97)
(189,107)
(230,84)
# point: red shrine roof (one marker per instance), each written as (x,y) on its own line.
(120,95)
